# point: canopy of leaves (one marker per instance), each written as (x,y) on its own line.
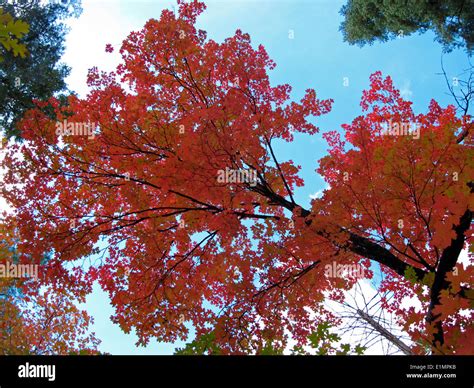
(34,322)
(176,246)
(37,72)
(321,342)
(367,21)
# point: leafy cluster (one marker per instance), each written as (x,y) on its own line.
(367,21)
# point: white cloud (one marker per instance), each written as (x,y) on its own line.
(319,193)
(405,91)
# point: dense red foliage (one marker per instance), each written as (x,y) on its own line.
(172,244)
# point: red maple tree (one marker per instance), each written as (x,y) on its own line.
(37,320)
(136,189)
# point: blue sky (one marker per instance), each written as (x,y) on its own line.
(303,38)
